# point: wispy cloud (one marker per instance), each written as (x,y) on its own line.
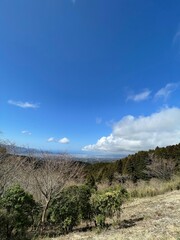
(98,120)
(26,132)
(132,134)
(166,91)
(64,140)
(176,38)
(51,139)
(144,95)
(23,104)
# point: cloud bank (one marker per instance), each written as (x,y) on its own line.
(23,104)
(132,134)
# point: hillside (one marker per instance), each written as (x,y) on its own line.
(61,201)
(134,166)
(148,218)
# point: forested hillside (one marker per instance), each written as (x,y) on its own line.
(140,165)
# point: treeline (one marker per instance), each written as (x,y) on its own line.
(140,165)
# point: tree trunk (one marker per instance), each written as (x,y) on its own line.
(43,219)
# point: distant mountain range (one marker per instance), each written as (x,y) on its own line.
(76,156)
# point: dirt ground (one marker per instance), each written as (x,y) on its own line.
(152,218)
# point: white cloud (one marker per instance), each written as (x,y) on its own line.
(26,132)
(140,96)
(167,90)
(23,104)
(98,120)
(132,134)
(51,139)
(64,140)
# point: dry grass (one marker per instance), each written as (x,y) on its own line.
(151,218)
(146,188)
(153,187)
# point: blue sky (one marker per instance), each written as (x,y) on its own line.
(90,76)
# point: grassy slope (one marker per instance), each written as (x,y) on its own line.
(144,218)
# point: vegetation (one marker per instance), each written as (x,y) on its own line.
(152,187)
(50,178)
(48,195)
(141,165)
(107,204)
(142,218)
(17,214)
(71,207)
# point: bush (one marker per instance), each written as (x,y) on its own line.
(91,182)
(71,207)
(16,215)
(107,204)
(3,223)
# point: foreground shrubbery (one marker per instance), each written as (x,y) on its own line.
(107,204)
(70,208)
(80,203)
(19,213)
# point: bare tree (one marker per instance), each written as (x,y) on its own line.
(9,164)
(42,174)
(161,168)
(48,176)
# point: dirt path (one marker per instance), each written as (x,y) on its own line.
(152,218)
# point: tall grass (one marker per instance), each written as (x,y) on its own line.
(152,188)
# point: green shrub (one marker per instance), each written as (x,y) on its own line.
(91,182)
(107,204)
(17,211)
(3,223)
(71,207)
(100,221)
